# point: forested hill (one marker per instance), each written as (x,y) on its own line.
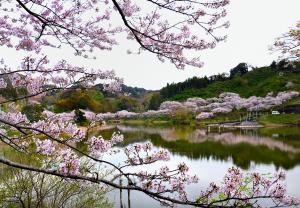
(258,81)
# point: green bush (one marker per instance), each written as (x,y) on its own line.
(80,118)
(182,116)
(33,112)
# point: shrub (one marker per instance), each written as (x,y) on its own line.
(33,112)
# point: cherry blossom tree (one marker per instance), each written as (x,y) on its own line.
(228,101)
(167,29)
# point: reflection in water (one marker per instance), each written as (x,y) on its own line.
(209,155)
(242,147)
(201,135)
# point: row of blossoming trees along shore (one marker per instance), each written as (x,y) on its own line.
(164,28)
(204,108)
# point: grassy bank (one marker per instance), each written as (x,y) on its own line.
(220,118)
(280,120)
(143,121)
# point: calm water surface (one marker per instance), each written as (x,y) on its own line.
(209,155)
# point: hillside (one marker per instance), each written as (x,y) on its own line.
(258,81)
(97,100)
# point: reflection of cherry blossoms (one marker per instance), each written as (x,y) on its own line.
(201,136)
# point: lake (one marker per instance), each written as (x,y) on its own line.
(209,155)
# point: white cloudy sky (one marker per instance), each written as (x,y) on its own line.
(254,26)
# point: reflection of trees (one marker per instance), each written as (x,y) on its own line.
(230,138)
(200,136)
(195,144)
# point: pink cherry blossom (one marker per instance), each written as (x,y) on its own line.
(204,115)
(45,147)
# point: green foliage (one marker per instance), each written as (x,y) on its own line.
(29,189)
(133,91)
(92,99)
(239,70)
(182,116)
(128,103)
(10,91)
(80,118)
(79,99)
(33,112)
(155,101)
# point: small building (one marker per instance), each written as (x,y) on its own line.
(275,112)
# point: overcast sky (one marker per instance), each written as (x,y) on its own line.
(254,26)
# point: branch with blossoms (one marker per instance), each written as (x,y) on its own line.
(85,26)
(31,23)
(54,139)
(245,195)
(289,44)
(169,40)
(38,77)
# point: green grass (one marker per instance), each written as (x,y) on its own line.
(282,119)
(144,121)
(295,101)
(220,118)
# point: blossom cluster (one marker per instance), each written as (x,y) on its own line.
(13,117)
(139,154)
(289,44)
(168,180)
(249,186)
(38,76)
(70,163)
(45,147)
(164,180)
(227,102)
(86,26)
(58,128)
(27,25)
(98,145)
(205,108)
(91,116)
